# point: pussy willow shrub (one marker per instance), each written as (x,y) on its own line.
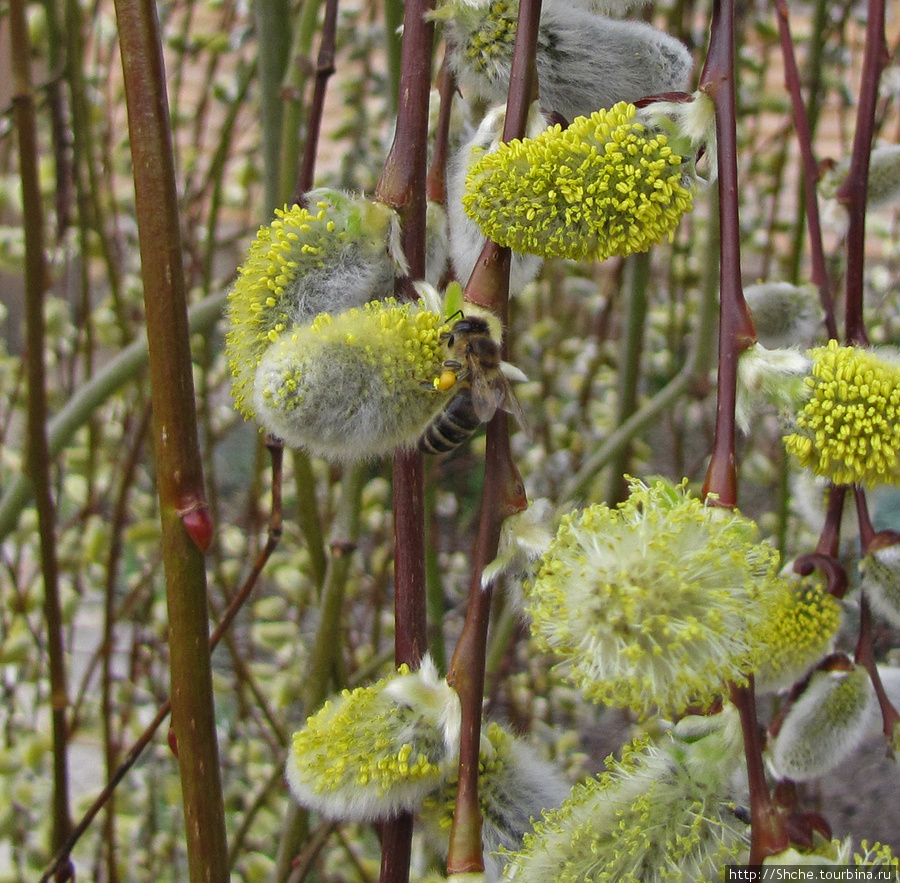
(312,297)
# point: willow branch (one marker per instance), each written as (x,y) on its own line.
(736,333)
(503,492)
(324,70)
(183,511)
(810,169)
(39,461)
(402,186)
(273,44)
(854,190)
(300,67)
(274,535)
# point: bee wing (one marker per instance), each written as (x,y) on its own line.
(508,401)
(485,398)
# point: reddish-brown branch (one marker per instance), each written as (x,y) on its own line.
(436,184)
(865,656)
(810,170)
(324,70)
(769,832)
(402,186)
(736,331)
(854,190)
(503,493)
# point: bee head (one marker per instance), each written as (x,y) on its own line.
(476,321)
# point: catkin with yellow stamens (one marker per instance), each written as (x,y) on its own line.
(849,428)
(607,185)
(355,385)
(335,254)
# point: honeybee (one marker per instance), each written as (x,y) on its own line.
(481,378)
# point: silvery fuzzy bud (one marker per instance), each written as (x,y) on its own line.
(355,385)
(884,177)
(335,253)
(375,751)
(585,62)
(825,725)
(784,315)
(769,378)
(880,569)
(602,7)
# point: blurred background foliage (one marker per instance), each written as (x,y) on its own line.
(567,333)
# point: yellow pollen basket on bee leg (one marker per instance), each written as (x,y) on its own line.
(447,380)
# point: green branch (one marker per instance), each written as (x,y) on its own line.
(39,460)
(184,517)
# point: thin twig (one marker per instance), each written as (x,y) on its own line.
(39,459)
(810,170)
(324,70)
(854,191)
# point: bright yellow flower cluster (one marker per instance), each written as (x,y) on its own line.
(801,626)
(325,258)
(849,429)
(655,604)
(357,747)
(607,185)
(354,385)
(376,749)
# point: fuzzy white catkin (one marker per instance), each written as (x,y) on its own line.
(362,269)
(526,787)
(374,751)
(784,315)
(603,7)
(585,62)
(825,725)
(881,581)
(349,387)
(466,240)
